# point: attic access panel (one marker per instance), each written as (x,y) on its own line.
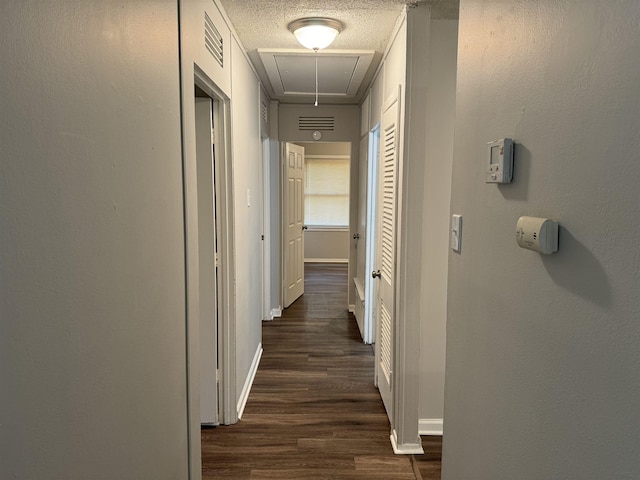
(292,72)
(298,74)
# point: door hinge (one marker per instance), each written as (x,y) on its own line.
(216,259)
(261,237)
(213,136)
(218,375)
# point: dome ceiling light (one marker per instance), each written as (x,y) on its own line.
(316,33)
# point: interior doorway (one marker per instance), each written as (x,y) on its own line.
(207,254)
(325,206)
(210,258)
(371,285)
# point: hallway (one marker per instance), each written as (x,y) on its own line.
(313,411)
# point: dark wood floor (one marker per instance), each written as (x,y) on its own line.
(313,412)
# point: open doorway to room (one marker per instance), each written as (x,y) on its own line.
(324,202)
(210,227)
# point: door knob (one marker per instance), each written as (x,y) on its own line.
(304,227)
(356,236)
(376,274)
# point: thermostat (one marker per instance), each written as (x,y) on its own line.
(537,234)
(500,161)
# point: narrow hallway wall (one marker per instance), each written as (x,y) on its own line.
(543,352)
(92,337)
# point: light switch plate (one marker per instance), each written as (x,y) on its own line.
(456,233)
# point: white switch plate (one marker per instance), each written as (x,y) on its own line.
(456,233)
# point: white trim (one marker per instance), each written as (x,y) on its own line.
(326,260)
(430,426)
(275,312)
(352,309)
(244,395)
(407,448)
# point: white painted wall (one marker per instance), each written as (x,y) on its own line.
(441,104)
(247,183)
(543,353)
(92,337)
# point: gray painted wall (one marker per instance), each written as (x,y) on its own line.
(248,213)
(326,245)
(543,353)
(92,337)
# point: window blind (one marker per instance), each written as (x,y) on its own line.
(326,202)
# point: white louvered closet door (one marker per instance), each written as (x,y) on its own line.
(387,208)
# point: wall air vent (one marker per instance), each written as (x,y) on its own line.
(326,124)
(264,111)
(213,40)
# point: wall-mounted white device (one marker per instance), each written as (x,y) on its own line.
(537,234)
(500,161)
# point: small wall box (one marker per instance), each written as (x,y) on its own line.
(537,234)
(500,161)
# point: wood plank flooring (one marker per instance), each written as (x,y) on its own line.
(313,412)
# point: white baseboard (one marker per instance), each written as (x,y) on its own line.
(352,309)
(430,426)
(275,313)
(244,395)
(326,260)
(406,449)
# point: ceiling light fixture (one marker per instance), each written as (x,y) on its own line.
(316,33)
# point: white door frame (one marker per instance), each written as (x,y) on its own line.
(226,256)
(207,269)
(266,229)
(370,287)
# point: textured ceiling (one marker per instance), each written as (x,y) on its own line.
(368,23)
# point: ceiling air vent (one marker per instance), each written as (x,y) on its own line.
(264,111)
(213,40)
(316,123)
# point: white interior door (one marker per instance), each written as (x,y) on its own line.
(208,324)
(293,215)
(386,258)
